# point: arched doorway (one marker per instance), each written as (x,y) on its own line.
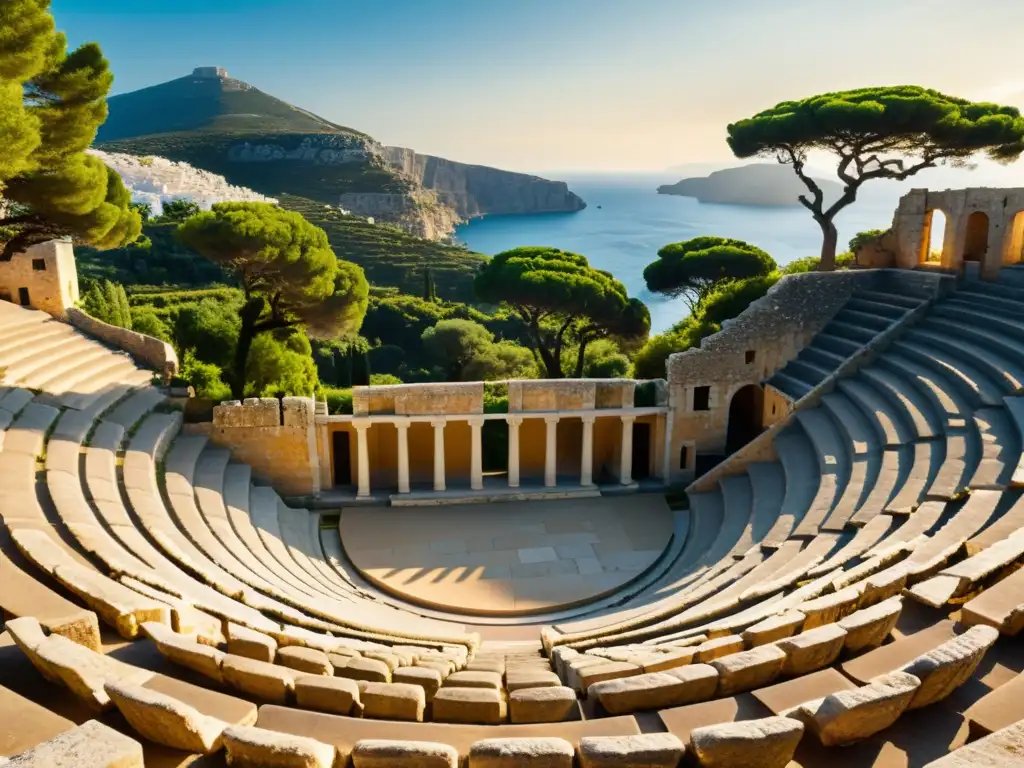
(1015,248)
(934,240)
(976,241)
(745,422)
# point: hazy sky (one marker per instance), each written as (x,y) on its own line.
(559,85)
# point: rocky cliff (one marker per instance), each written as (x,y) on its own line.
(476,190)
(226,126)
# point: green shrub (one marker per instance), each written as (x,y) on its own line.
(339,401)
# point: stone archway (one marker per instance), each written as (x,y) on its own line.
(976,237)
(745,417)
(1014,253)
(933,237)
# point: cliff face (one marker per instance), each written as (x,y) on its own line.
(418,213)
(476,190)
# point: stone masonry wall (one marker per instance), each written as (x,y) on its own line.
(569,394)
(419,399)
(153,352)
(748,349)
(47,273)
(275,437)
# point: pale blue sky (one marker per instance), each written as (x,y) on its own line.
(559,85)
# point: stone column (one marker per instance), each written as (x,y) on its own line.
(513,450)
(403,456)
(476,454)
(626,453)
(438,454)
(550,451)
(587,454)
(362,458)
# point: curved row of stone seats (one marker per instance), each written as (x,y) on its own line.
(41,353)
(144,450)
(198,541)
(25,521)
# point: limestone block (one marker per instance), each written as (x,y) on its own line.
(561,656)
(514,679)
(664,661)
(542,705)
(1003,748)
(589,675)
(385,753)
(651,750)
(249,747)
(391,659)
(371,670)
(270,682)
(848,716)
(393,701)
(868,627)
(747,670)
(484,706)
(521,753)
(829,609)
(773,628)
(243,641)
(444,667)
(470,679)
(944,669)
(308,660)
(812,650)
(90,745)
(767,743)
(29,637)
(883,585)
(575,665)
(656,690)
(337,695)
(297,412)
(717,648)
(496,666)
(186,651)
(165,720)
(85,672)
(427,679)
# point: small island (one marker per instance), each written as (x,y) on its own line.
(766,184)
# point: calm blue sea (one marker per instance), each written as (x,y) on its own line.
(626,222)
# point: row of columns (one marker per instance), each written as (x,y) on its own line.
(476,474)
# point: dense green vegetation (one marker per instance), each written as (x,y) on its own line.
(51,103)
(562,302)
(693,268)
(889,132)
(289,276)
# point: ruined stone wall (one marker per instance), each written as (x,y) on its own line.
(275,437)
(46,273)
(1002,208)
(748,350)
(419,399)
(569,394)
(152,352)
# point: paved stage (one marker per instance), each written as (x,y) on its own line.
(508,558)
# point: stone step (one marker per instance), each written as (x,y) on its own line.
(768,489)
(837,345)
(971,517)
(957,457)
(786,384)
(944,396)
(866,537)
(1015,408)
(805,372)
(920,465)
(1001,605)
(1000,449)
(858,433)
(867,305)
(1007,524)
(803,480)
(833,465)
(904,302)
(865,320)
(821,357)
(989,288)
(737,494)
(1000,318)
(905,396)
(986,302)
(974,384)
(888,420)
(894,466)
(990,352)
(847,328)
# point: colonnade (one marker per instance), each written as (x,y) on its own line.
(476,475)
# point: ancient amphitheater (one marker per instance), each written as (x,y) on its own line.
(842,589)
